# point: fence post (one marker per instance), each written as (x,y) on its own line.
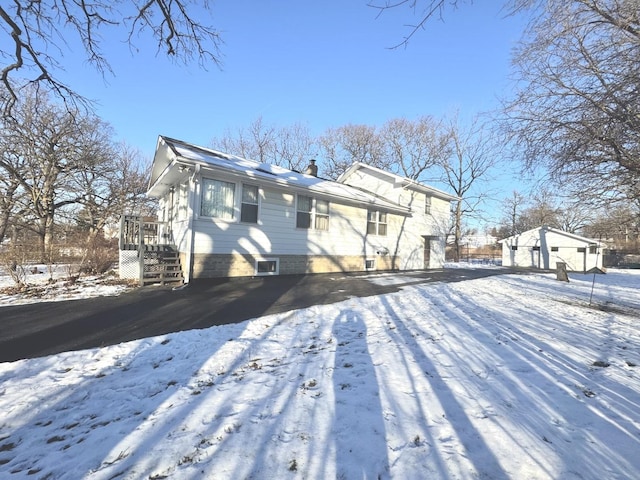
(141,250)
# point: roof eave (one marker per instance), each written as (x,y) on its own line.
(397,179)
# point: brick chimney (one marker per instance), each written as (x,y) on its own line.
(312,169)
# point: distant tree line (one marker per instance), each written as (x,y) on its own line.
(459,158)
(63,180)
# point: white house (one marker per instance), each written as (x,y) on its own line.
(544,247)
(228,216)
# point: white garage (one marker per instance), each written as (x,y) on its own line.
(544,247)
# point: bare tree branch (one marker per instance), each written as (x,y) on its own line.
(37,33)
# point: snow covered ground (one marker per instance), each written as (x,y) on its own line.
(51,283)
(504,377)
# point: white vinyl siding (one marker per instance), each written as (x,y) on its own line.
(335,229)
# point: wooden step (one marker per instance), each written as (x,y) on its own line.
(162,265)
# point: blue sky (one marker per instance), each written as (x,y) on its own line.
(324,64)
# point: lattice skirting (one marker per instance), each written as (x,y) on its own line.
(129,264)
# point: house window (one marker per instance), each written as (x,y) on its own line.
(427,205)
(322,215)
(303,216)
(593,249)
(312,212)
(218,199)
(267,266)
(582,250)
(535,249)
(376,222)
(249,206)
(514,247)
(370,264)
(554,249)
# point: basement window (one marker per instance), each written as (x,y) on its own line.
(514,247)
(370,264)
(554,249)
(267,266)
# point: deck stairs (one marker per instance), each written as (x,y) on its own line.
(161,265)
(148,252)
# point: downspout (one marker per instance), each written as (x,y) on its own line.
(193,185)
(168,237)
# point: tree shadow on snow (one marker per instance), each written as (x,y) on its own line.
(358,427)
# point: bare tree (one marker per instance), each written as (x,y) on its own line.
(38,33)
(111,184)
(422,10)
(10,191)
(44,146)
(574,216)
(472,156)
(619,225)
(576,110)
(413,147)
(295,146)
(256,142)
(289,146)
(543,209)
(512,208)
(342,146)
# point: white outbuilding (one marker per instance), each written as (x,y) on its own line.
(544,247)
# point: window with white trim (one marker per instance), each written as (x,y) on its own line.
(322,215)
(427,205)
(303,211)
(218,199)
(249,205)
(312,213)
(376,222)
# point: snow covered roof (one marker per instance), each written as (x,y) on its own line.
(546,228)
(175,159)
(397,180)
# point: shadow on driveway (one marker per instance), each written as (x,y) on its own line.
(47,328)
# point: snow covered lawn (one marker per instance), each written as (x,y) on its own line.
(503,377)
(51,283)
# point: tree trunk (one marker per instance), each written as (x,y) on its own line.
(457,232)
(45,247)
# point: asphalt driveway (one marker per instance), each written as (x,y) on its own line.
(41,329)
